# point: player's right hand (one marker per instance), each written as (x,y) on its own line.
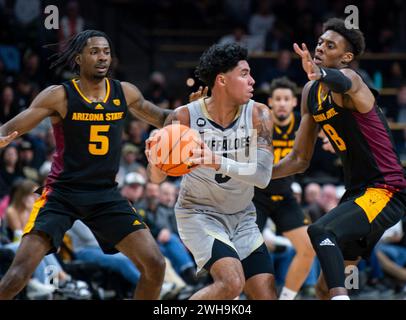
(201,93)
(4,141)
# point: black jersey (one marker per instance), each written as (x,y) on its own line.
(88,140)
(282,141)
(362,141)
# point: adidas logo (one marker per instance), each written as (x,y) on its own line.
(136,222)
(326,242)
(99,107)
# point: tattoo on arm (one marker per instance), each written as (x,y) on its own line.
(171,117)
(147,111)
(264,128)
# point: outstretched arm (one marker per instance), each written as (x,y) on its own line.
(340,81)
(144,109)
(49,102)
(298,160)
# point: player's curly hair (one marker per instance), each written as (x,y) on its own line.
(354,37)
(218,59)
(75,46)
(283,83)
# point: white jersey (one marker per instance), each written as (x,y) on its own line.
(203,188)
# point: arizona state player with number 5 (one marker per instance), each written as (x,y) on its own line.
(338,100)
(88,118)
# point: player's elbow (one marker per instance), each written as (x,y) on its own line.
(302,165)
(263,179)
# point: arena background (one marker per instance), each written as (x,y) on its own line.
(156,44)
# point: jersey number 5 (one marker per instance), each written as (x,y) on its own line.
(335,137)
(98,144)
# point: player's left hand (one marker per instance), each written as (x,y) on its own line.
(203,156)
(312,70)
(201,93)
(148,144)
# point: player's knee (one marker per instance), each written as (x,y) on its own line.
(306,252)
(315,231)
(156,264)
(232,285)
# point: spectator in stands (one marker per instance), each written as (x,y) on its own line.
(156,90)
(261,22)
(137,132)
(8,104)
(133,187)
(167,199)
(278,38)
(22,198)
(86,248)
(129,155)
(312,193)
(71,23)
(396,112)
(327,201)
(391,254)
(282,68)
(253,43)
(169,242)
(26,156)
(9,168)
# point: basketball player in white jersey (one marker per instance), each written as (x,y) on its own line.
(214,211)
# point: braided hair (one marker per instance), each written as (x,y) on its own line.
(74,46)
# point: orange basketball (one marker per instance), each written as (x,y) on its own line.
(172,147)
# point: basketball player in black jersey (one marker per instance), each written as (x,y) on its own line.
(276,201)
(87,115)
(338,101)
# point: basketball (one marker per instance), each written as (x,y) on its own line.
(172,147)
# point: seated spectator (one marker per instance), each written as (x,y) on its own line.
(328,200)
(169,242)
(9,169)
(86,248)
(239,35)
(391,254)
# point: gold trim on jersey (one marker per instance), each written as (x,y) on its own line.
(373,201)
(320,100)
(203,107)
(290,128)
(86,98)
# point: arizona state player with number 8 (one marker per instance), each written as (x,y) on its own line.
(276,201)
(339,101)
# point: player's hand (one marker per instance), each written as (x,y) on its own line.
(4,141)
(201,93)
(148,144)
(164,236)
(203,156)
(312,70)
